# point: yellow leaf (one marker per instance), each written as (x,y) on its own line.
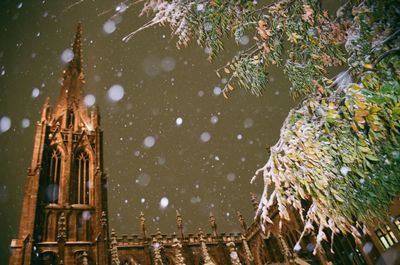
(226,70)
(375,109)
(230,87)
(368,66)
(225,95)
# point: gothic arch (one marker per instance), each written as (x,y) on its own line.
(82,177)
(83,229)
(54,176)
(50,231)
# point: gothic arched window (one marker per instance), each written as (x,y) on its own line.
(81,189)
(54,176)
(83,226)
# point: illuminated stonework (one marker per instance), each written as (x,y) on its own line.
(64,217)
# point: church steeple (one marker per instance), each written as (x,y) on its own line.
(70,111)
(77,61)
(65,202)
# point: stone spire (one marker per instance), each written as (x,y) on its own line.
(204,250)
(70,110)
(114,250)
(179,223)
(142,223)
(254,201)
(242,222)
(213,224)
(77,61)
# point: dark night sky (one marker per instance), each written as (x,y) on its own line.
(161,84)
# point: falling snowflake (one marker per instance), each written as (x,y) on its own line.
(116,93)
(168,64)
(149,141)
(231,177)
(205,137)
(164,202)
(89,100)
(5,124)
(217,91)
(67,56)
(248,123)
(179,121)
(25,123)
(214,119)
(143,180)
(109,27)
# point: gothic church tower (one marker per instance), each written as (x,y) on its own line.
(64,211)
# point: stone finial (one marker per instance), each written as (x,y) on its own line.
(242,222)
(45,113)
(213,224)
(179,223)
(254,201)
(158,234)
(142,223)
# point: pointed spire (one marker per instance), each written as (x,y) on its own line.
(77,61)
(179,223)
(142,223)
(45,110)
(158,234)
(242,222)
(213,224)
(204,250)
(70,108)
(254,201)
(114,250)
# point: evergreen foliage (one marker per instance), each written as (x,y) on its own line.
(339,150)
